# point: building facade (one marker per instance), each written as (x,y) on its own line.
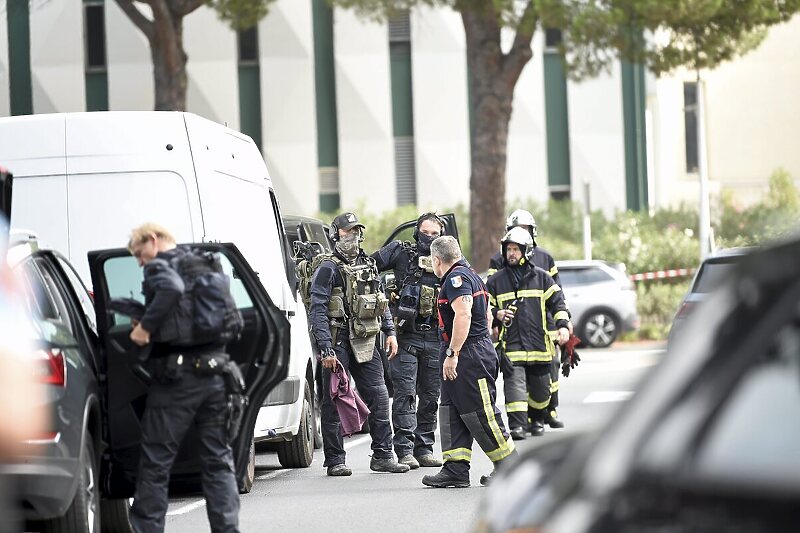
(350,112)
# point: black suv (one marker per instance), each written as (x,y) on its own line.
(84,468)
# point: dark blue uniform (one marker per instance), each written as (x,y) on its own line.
(174,405)
(468,409)
(415,371)
(368,376)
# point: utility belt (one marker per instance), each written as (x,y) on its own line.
(171,368)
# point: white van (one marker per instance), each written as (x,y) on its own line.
(82,181)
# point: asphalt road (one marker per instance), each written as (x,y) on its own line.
(307,500)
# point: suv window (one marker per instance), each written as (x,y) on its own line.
(571,277)
(712,274)
(87,305)
(44,299)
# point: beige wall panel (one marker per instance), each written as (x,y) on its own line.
(130,69)
(4,81)
(288,106)
(441,114)
(364,109)
(57,64)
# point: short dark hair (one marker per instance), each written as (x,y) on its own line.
(432,216)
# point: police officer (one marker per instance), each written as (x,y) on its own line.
(347,310)
(414,370)
(521,295)
(175,402)
(513,384)
(469,368)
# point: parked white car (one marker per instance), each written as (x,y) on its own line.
(601,298)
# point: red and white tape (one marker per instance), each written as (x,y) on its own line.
(662,274)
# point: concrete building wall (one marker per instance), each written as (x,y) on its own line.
(526,167)
(289,122)
(57,56)
(597,143)
(130,68)
(441,108)
(364,107)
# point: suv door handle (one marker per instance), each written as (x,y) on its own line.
(290,313)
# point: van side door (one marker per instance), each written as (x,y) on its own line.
(262,353)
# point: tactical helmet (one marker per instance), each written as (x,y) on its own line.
(521,238)
(520,217)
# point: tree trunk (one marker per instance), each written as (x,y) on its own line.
(169,63)
(492,97)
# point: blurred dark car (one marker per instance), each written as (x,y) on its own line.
(712,272)
(709,443)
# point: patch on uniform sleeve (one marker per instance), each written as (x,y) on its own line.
(456,281)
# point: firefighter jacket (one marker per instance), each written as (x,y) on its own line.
(526,341)
(542,259)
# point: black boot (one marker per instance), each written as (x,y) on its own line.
(485,480)
(537,428)
(518,433)
(552,420)
(445,479)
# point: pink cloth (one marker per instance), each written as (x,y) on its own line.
(352,410)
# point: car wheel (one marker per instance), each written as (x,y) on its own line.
(250,476)
(83,514)
(115,516)
(299,452)
(599,329)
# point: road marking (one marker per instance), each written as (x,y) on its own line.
(608,396)
(187,508)
(355,442)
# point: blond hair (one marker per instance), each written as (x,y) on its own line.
(141,234)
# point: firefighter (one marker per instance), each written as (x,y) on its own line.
(521,295)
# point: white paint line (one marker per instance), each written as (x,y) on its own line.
(188,508)
(607,396)
(357,441)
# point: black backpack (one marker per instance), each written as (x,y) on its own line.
(207,302)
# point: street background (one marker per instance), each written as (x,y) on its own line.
(307,500)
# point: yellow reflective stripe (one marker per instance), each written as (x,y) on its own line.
(516,407)
(502,452)
(551,291)
(542,357)
(554,385)
(457,454)
(538,405)
(490,272)
(561,315)
(505,297)
(553,271)
(530,293)
(492,300)
(489,411)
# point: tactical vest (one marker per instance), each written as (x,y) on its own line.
(412,298)
(358,305)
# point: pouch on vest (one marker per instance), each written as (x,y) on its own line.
(427,301)
(406,310)
(336,304)
(362,338)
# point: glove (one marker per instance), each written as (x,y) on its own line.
(569,357)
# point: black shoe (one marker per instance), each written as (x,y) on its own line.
(339,470)
(388,465)
(445,479)
(536,428)
(485,480)
(518,434)
(553,421)
(428,460)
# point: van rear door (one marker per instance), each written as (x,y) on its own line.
(262,352)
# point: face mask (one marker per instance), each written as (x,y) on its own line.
(349,246)
(424,243)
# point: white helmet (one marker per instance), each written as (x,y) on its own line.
(521,238)
(520,217)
